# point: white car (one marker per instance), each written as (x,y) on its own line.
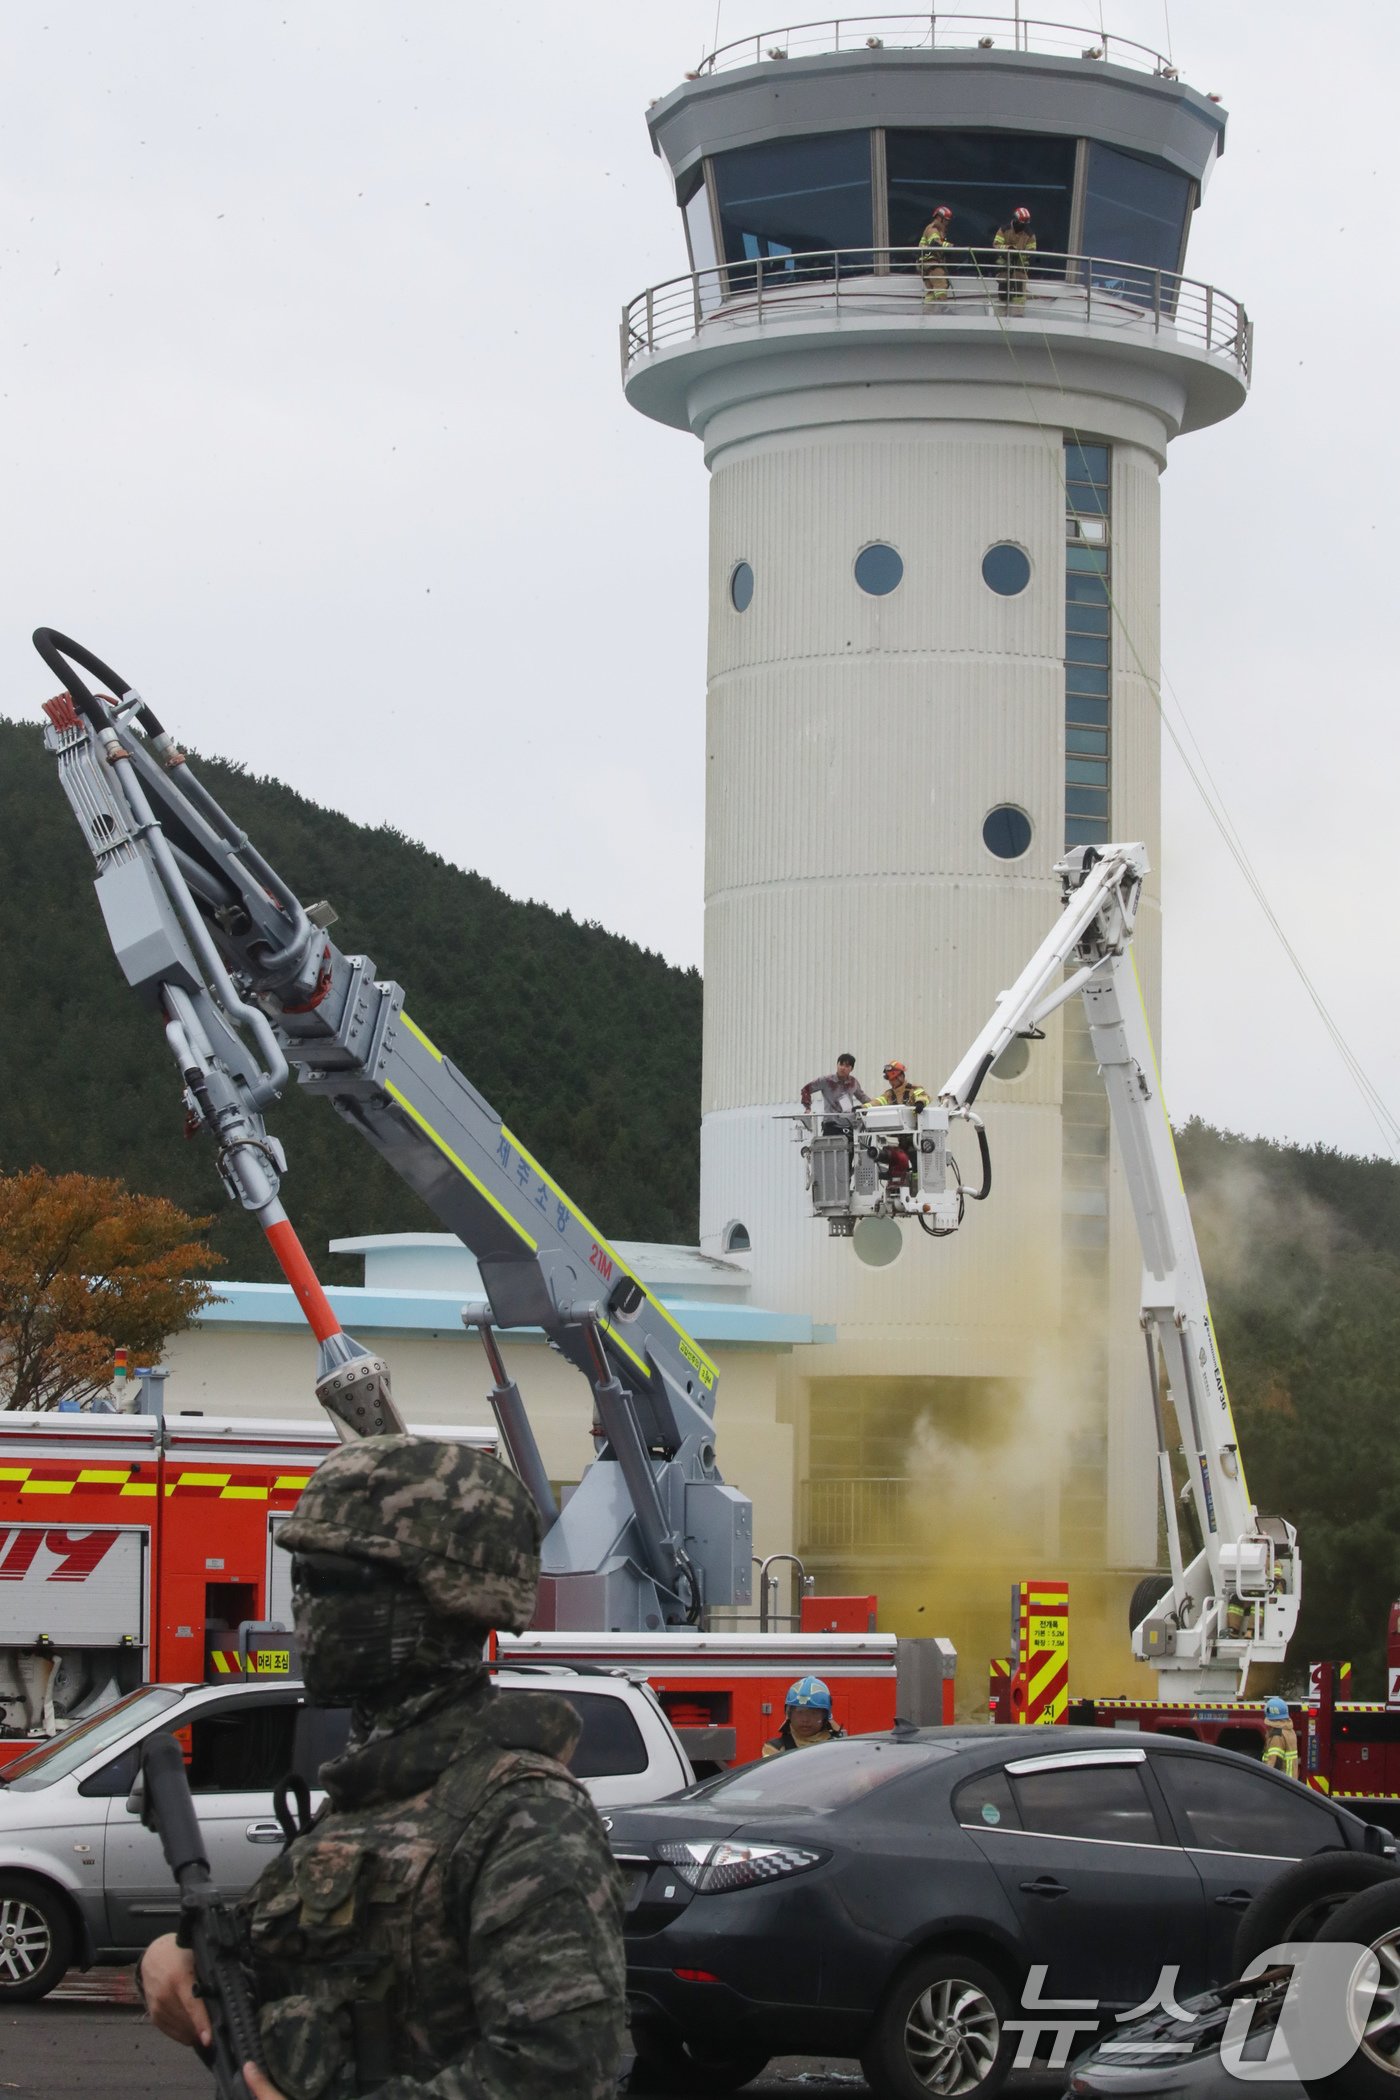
(82,1879)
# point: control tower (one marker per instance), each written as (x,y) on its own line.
(933,653)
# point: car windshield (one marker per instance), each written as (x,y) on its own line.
(823,1776)
(75,1746)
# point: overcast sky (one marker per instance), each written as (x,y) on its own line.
(312,425)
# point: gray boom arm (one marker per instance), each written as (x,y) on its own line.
(249,984)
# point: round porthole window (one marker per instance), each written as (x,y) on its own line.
(879,569)
(741,586)
(1006,569)
(1013,1060)
(1006,831)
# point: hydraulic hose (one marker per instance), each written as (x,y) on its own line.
(56,649)
(981,1195)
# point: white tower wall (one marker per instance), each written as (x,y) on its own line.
(856,743)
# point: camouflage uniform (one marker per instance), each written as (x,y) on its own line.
(450,1927)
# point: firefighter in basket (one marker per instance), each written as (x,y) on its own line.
(900,1092)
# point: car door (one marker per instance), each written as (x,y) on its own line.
(1103,1894)
(237,1751)
(1241,1826)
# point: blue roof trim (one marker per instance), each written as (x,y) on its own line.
(439,1312)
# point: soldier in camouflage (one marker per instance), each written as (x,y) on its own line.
(450,1926)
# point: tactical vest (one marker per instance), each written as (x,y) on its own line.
(358,1956)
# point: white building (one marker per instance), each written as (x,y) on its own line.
(934,610)
(252,1354)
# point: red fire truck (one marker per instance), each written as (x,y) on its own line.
(141,1546)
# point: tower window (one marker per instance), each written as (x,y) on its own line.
(1088,657)
(879,570)
(1006,569)
(741,586)
(736,1238)
(1006,831)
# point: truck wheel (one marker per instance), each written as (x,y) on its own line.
(36,1938)
(1295,1905)
(940,2032)
(666,2064)
(1371,1919)
(1151,1590)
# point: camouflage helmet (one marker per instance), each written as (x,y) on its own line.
(454,1522)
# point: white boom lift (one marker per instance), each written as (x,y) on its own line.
(1234,1602)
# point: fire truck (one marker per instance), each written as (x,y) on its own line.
(248,988)
(136,1546)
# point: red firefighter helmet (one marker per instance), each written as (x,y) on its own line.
(942,211)
(1020,217)
(894,1072)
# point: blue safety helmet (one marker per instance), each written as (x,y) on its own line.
(1275,1709)
(809,1692)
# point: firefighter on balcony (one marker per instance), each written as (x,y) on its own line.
(1017,244)
(806,1719)
(900,1092)
(933,256)
(1280,1738)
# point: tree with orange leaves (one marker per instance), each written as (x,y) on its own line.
(86,1267)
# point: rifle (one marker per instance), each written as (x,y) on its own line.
(207,1925)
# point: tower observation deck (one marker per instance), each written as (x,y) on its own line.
(933,658)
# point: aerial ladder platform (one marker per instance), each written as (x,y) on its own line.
(1230,1601)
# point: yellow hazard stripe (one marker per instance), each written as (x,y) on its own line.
(415,1031)
(138,1487)
(48,1487)
(111,1475)
(243,1494)
(695,1357)
(291,1480)
(416,1116)
(15,1472)
(203,1480)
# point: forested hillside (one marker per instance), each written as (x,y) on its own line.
(1301,1246)
(588,1045)
(590,1048)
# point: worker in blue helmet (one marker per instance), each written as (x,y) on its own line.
(1280,1737)
(806,1718)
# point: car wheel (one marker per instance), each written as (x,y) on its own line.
(1296,1905)
(941,2031)
(36,1938)
(666,2064)
(1369,1920)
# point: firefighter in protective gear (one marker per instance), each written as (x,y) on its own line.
(806,1719)
(449,1926)
(899,1093)
(933,256)
(1017,244)
(1280,1738)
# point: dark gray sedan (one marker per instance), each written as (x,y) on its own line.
(940,1902)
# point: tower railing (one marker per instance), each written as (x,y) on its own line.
(906,287)
(935,30)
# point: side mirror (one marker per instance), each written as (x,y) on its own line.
(136,1799)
